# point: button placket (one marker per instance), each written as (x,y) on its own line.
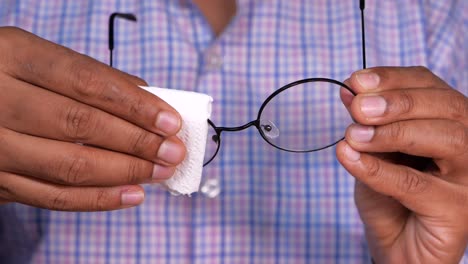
(213,59)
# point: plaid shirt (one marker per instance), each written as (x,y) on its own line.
(275,207)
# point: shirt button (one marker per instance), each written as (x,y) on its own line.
(211,188)
(214,61)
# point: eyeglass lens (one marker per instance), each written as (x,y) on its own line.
(306,117)
(303,117)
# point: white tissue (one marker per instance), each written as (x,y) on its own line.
(195,109)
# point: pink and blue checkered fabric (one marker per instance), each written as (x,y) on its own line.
(275,207)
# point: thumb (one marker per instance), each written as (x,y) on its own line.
(417,191)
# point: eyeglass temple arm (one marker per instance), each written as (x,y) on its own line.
(127,16)
(362,6)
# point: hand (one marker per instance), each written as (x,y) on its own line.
(51,99)
(409,155)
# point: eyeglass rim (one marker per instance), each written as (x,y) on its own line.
(218,133)
(284,88)
(289,85)
(256,122)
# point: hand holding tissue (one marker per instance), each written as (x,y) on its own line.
(195,110)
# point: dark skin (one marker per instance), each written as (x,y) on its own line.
(217,13)
(409,155)
(53,97)
(414,209)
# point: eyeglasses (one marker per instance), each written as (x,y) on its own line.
(280,122)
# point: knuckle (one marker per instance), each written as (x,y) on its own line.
(142,142)
(131,104)
(458,107)
(458,139)
(135,171)
(86,82)
(6,191)
(135,105)
(79,122)
(374,169)
(74,170)
(4,137)
(405,103)
(409,182)
(397,132)
(59,200)
(102,200)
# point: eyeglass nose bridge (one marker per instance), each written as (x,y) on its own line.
(255,123)
(219,130)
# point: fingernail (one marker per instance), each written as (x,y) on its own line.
(368,79)
(362,134)
(373,106)
(132,197)
(167,122)
(170,152)
(346,97)
(351,154)
(162,172)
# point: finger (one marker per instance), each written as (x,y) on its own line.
(346,95)
(405,104)
(4,201)
(74,75)
(439,139)
(417,191)
(57,197)
(74,164)
(134,79)
(51,115)
(389,78)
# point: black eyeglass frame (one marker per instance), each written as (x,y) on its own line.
(112,17)
(256,122)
